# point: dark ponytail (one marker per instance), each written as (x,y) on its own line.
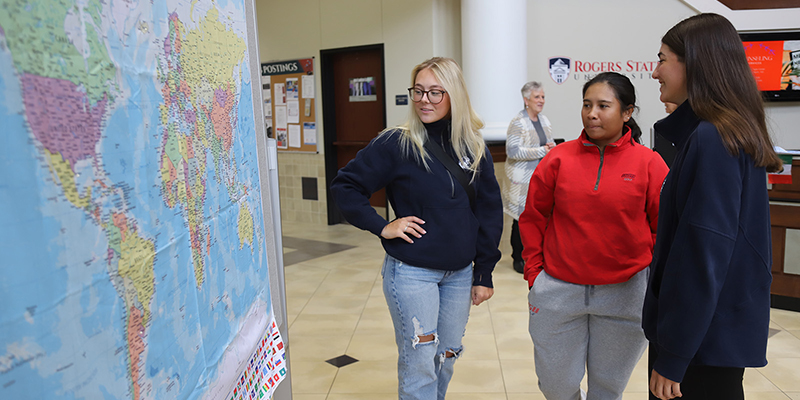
(625,93)
(636,132)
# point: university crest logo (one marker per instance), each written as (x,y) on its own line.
(559,69)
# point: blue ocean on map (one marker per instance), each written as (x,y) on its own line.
(130,259)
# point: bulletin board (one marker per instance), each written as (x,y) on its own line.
(290,104)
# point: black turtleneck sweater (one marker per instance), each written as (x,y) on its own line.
(456,234)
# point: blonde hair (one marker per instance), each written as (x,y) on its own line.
(465,122)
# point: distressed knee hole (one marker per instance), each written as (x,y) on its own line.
(420,336)
(426,338)
(450,353)
(453,353)
(429,339)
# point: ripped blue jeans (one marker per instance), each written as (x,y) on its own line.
(426,302)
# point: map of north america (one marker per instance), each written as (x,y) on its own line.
(131,228)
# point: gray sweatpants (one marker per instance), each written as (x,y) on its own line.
(579,328)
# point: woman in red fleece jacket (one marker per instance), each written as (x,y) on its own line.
(588,231)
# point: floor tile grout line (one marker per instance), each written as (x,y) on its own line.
(309,299)
(360,316)
(764,375)
(777,324)
(497,348)
(771,381)
(353,334)
(332,383)
(302,311)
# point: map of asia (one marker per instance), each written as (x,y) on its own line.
(131,231)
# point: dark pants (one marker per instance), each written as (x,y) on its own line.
(703,382)
(516,242)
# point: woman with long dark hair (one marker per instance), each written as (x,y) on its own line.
(588,229)
(706,312)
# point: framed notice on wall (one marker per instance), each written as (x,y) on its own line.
(289,104)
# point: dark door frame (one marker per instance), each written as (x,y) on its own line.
(329,117)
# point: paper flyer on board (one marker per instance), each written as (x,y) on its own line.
(308,86)
(280,116)
(294,135)
(293,111)
(280,94)
(280,137)
(309,133)
(266,95)
(292,90)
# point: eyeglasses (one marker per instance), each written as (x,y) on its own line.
(435,96)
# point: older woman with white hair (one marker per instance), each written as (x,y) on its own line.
(528,140)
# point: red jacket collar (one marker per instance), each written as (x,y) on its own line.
(622,142)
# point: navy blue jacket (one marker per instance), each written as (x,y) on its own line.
(456,234)
(708,297)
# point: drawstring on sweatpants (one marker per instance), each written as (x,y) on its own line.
(588,290)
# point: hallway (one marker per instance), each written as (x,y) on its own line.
(336,307)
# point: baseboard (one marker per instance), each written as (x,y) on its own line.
(785,302)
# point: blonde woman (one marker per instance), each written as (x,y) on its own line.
(528,140)
(442,248)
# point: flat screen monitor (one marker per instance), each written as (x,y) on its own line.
(774,58)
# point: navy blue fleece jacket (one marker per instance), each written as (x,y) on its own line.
(707,301)
(456,234)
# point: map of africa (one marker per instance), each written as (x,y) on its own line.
(131,230)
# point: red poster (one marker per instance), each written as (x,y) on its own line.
(765,59)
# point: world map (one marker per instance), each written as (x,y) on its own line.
(131,228)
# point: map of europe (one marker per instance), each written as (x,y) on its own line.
(131,228)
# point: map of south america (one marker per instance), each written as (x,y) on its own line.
(129,196)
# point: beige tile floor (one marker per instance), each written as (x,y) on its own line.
(336,307)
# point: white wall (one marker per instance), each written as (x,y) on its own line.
(495,52)
(414,30)
(783,119)
(446,22)
(586,30)
(408,40)
(410,30)
(621,30)
(748,20)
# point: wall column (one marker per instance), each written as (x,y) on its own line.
(494,48)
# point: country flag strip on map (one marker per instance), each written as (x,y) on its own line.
(265,369)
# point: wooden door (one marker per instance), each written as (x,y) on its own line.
(354,109)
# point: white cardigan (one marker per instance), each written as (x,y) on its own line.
(523,153)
